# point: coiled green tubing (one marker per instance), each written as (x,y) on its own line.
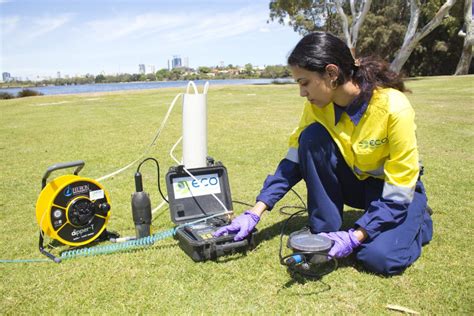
(104,249)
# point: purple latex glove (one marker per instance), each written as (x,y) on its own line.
(344,243)
(242,225)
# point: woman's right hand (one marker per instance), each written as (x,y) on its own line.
(242,225)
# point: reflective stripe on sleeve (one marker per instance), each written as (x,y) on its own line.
(292,155)
(376,173)
(397,194)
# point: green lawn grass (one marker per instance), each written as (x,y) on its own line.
(248,130)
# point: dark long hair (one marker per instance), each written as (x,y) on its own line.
(317,50)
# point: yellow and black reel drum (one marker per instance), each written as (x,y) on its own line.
(71,209)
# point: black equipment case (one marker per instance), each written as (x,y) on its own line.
(191,200)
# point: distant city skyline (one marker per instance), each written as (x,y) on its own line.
(142,69)
(40,38)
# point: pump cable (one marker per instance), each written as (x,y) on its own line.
(158,174)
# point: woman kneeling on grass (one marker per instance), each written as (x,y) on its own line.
(355,145)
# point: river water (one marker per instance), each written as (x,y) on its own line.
(104,87)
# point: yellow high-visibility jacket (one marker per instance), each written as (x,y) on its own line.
(381,145)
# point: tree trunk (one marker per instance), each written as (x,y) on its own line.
(359,19)
(351,33)
(413,37)
(345,25)
(466,56)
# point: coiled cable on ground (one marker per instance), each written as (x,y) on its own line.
(131,244)
(106,249)
(116,247)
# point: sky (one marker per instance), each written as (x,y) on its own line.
(75,37)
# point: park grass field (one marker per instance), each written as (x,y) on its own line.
(248,130)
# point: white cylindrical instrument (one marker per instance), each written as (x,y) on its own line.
(195,128)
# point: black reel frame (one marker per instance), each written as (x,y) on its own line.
(79,164)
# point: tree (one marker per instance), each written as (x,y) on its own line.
(413,36)
(248,69)
(135,77)
(306,16)
(204,70)
(274,72)
(468,33)
(162,74)
(99,78)
(438,53)
(359,12)
(384,28)
(124,78)
(150,77)
(176,74)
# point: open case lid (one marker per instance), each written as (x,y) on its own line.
(190,199)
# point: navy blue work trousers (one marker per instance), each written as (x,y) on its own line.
(331,184)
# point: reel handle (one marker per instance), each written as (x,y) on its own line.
(63,165)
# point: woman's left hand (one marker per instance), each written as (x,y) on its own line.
(344,243)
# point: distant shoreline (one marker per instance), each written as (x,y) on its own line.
(138,85)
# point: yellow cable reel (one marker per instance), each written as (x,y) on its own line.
(71,209)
